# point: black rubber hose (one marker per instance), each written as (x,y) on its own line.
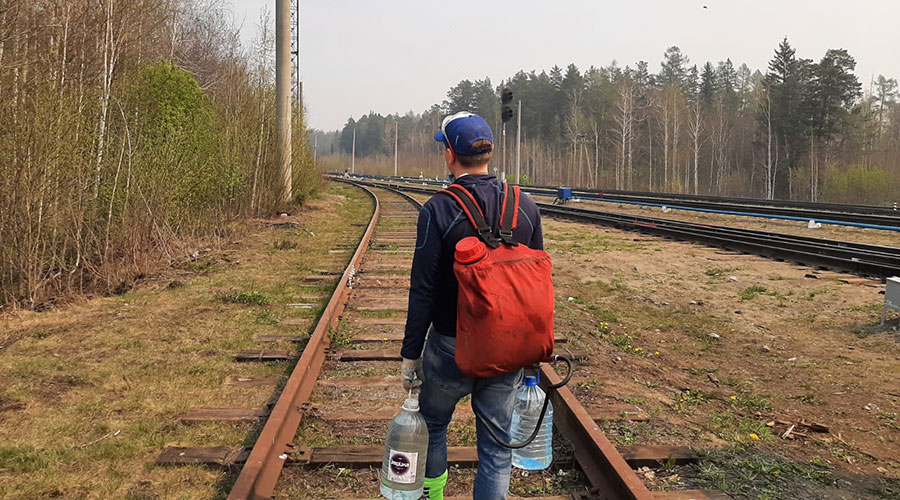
(518,446)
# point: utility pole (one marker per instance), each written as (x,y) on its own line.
(518,141)
(283,95)
(396,128)
(353,154)
(295,55)
(316,147)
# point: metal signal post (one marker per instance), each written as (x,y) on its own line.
(506,114)
(396,128)
(518,141)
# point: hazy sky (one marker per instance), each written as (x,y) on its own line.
(399,55)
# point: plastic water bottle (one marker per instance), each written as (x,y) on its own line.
(529,401)
(405,449)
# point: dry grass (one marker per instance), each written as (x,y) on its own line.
(91,393)
(672,332)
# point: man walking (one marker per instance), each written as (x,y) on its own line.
(468,147)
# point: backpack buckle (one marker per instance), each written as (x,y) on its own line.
(507,237)
(487,236)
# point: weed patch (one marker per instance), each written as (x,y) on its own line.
(719,271)
(285,245)
(754,402)
(687,401)
(751,292)
(247,298)
(266,317)
(808,398)
(743,430)
(743,474)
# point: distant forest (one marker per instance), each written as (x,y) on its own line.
(803,129)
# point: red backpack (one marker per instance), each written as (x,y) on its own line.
(504,314)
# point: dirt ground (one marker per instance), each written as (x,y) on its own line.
(716,345)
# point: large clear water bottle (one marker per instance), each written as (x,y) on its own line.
(527,410)
(405,449)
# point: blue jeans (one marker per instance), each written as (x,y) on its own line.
(443,387)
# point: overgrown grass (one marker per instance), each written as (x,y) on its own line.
(743,473)
(90,403)
(686,401)
(719,271)
(755,402)
(751,292)
(247,298)
(736,429)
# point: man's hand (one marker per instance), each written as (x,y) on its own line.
(411,373)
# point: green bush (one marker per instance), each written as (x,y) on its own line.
(861,185)
(179,147)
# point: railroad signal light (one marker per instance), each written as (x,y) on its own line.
(506,113)
(506,96)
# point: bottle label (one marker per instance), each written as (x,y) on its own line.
(402,468)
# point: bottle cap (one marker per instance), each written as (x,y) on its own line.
(470,250)
(531,381)
(411,404)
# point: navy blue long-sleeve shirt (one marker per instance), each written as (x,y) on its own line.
(442,223)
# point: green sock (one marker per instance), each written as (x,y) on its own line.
(434,487)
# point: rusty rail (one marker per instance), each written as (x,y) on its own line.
(260,473)
(603,465)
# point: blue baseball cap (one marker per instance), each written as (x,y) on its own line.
(461,130)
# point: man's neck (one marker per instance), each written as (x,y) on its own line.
(460,171)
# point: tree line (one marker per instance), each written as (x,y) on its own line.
(803,129)
(129,130)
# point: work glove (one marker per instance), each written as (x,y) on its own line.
(411,373)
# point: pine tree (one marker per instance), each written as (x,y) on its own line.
(708,84)
(673,68)
(787,80)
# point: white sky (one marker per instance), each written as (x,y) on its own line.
(398,55)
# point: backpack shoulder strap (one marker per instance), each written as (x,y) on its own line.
(509,215)
(470,207)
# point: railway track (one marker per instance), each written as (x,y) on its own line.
(858,258)
(344,390)
(868,215)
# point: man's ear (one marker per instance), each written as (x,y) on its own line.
(449,156)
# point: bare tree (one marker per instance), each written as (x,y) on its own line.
(771,163)
(625,105)
(695,129)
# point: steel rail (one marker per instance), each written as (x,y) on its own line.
(874,217)
(878,252)
(858,258)
(847,208)
(260,473)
